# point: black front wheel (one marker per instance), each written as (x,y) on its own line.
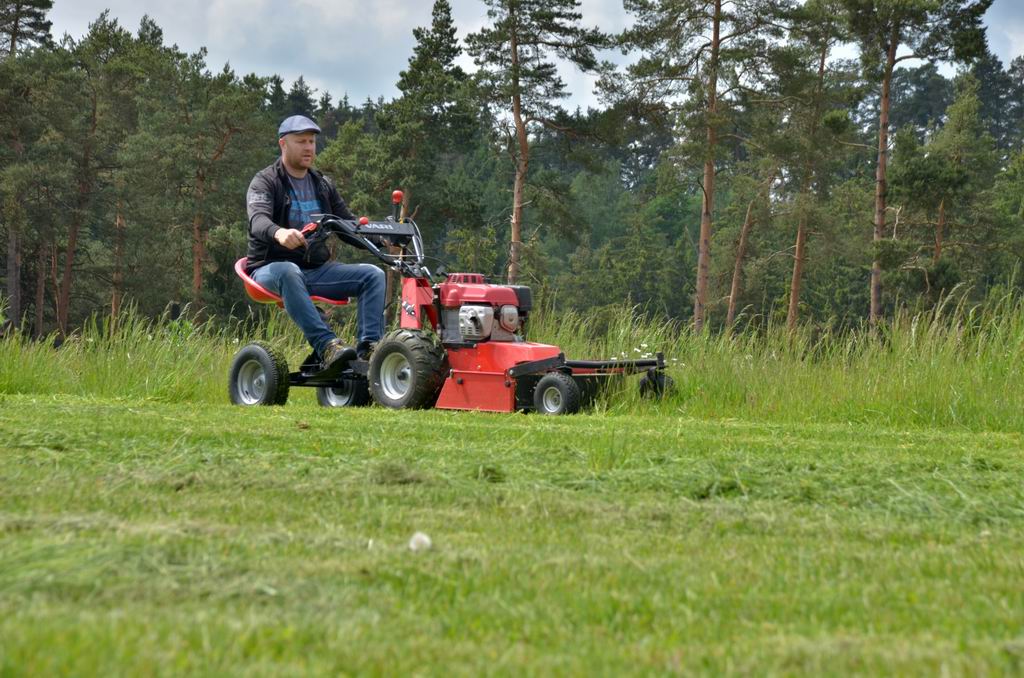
(557,393)
(349,393)
(258,376)
(656,385)
(407,370)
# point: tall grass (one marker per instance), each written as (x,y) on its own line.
(177,360)
(955,365)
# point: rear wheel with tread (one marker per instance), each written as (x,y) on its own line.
(407,369)
(258,376)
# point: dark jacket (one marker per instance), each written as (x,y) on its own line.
(268,202)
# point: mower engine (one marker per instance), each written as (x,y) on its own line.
(473,311)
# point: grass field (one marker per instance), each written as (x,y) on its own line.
(150,538)
(851,504)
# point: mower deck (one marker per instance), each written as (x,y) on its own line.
(494,377)
(492,389)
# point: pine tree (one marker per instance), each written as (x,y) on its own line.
(1000,101)
(434,54)
(435,90)
(89,106)
(300,99)
(327,118)
(814,121)
(23,23)
(1016,101)
(434,119)
(694,54)
(925,29)
(368,116)
(345,112)
(199,147)
(517,56)
(941,183)
(920,97)
(276,99)
(1009,190)
(419,134)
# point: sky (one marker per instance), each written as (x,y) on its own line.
(359,47)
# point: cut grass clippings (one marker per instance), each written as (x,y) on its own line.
(152,538)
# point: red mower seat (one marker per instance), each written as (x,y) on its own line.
(262,295)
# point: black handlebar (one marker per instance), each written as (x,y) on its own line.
(370,237)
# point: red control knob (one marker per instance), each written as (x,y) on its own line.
(397,196)
(363,221)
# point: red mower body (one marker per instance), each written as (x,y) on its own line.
(479,377)
(496,371)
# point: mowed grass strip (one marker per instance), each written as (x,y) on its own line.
(148,538)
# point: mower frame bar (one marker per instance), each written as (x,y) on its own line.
(309,373)
(588,366)
(537,366)
(628,366)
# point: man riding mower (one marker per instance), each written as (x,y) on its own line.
(281,202)
(460,340)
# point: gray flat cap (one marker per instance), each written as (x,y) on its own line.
(295,124)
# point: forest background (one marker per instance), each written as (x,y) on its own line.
(739,170)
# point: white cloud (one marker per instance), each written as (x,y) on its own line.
(359,46)
(316,14)
(235,26)
(1006,39)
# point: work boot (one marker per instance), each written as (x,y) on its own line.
(336,351)
(364,349)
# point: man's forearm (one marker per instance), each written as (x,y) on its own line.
(342,210)
(263,228)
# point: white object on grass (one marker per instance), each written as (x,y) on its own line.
(419,542)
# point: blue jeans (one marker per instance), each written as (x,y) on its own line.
(333,280)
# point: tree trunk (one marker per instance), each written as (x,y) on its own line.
(40,299)
(15,30)
(940,227)
(13,239)
(64,293)
(515,246)
(198,257)
(13,271)
(118,277)
(75,225)
(741,249)
(798,270)
(522,159)
(199,218)
(737,270)
(708,202)
(198,242)
(880,178)
(800,253)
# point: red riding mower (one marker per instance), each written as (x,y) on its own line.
(473,357)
